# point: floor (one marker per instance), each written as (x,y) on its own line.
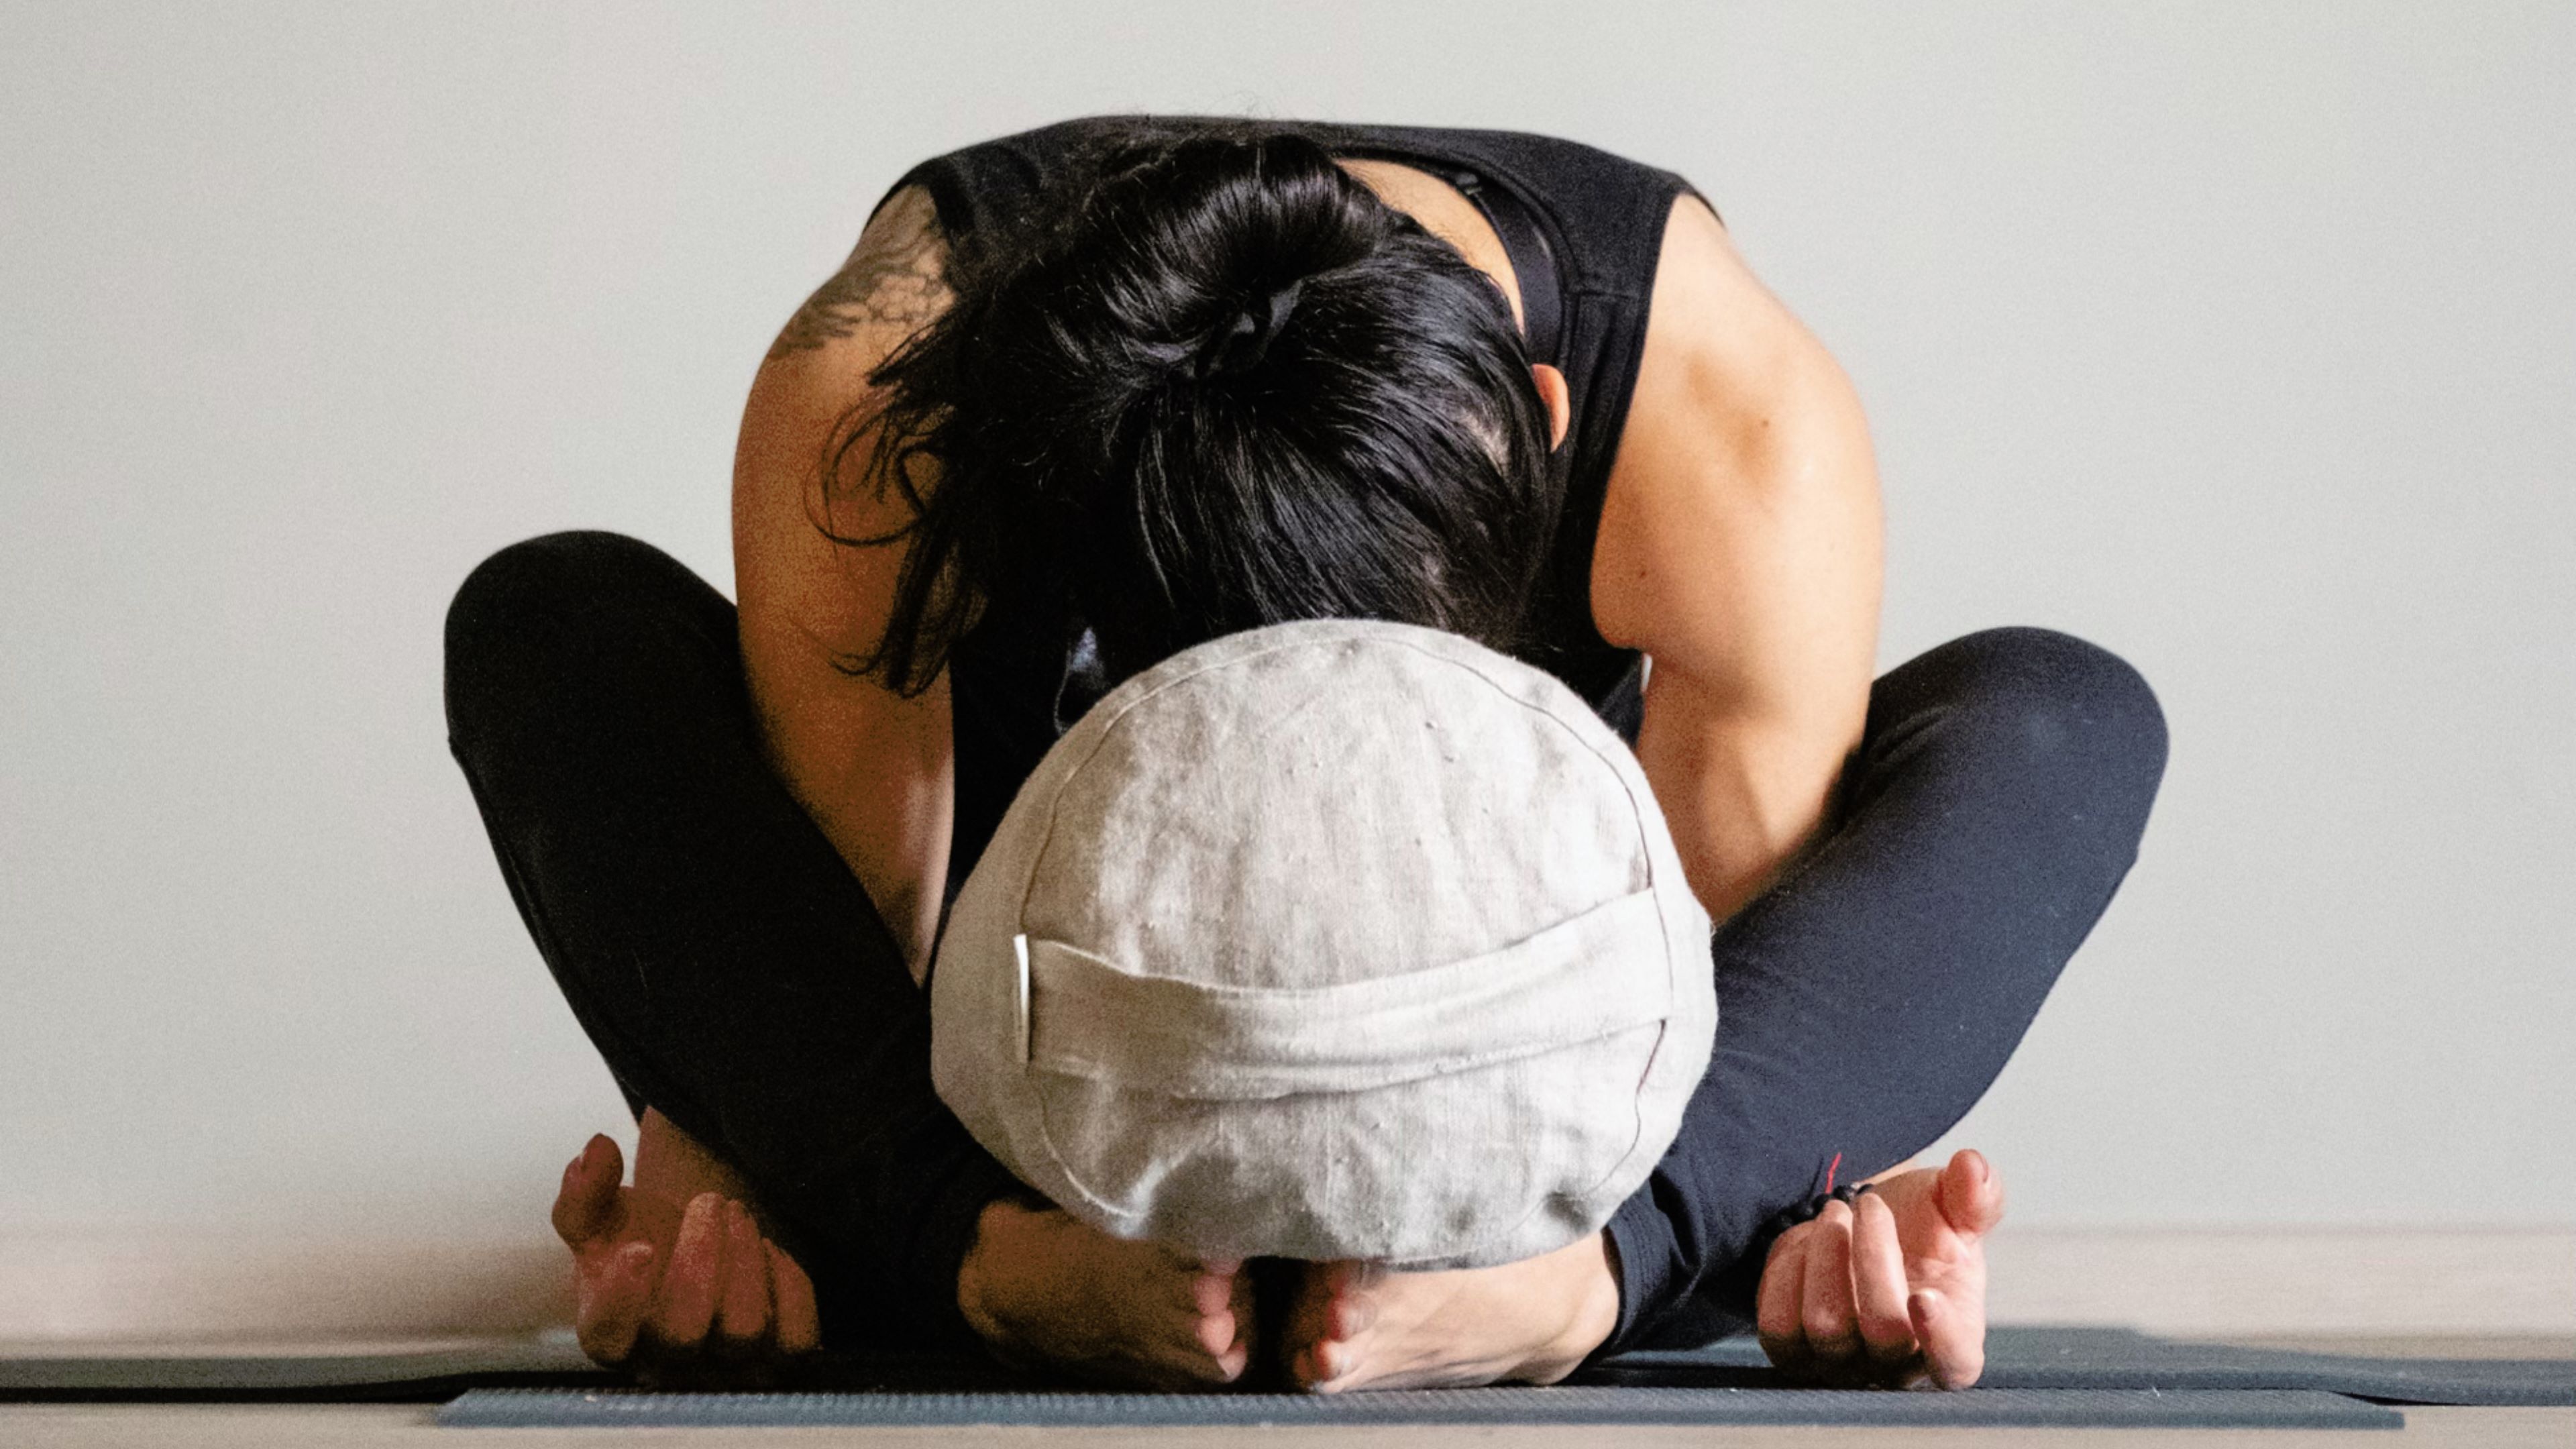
(45,1426)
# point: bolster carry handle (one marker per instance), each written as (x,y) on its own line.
(1599,973)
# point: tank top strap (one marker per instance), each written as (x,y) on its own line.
(1533,265)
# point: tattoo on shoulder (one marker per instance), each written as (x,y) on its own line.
(893,279)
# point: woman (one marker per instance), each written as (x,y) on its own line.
(1085,396)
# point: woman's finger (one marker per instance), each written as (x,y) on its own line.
(1954,1347)
(799,1328)
(742,1309)
(1878,1286)
(1777,1307)
(613,1293)
(1826,1311)
(586,1204)
(689,1280)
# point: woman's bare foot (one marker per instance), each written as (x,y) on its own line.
(1043,1289)
(1359,1326)
(1890,1289)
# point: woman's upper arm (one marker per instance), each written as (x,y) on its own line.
(1740,550)
(871,766)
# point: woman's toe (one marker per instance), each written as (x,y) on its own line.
(1352,1308)
(1216,1331)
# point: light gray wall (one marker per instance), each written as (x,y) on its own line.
(2240,339)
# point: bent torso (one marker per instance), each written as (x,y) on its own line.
(1686,499)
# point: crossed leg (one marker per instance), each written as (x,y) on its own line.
(736,976)
(1865,1003)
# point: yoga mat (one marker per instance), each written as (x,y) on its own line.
(2016,1358)
(417,1375)
(2119,1358)
(2105,1408)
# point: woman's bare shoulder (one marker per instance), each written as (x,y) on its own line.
(1740,525)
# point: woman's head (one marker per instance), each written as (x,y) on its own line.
(1221,386)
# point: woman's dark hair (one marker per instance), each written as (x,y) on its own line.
(1221,386)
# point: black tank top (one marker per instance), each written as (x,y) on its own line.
(1582,229)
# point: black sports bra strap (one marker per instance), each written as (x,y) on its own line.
(1533,263)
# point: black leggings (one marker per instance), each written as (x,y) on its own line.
(736,976)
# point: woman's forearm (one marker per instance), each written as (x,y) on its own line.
(871,766)
(873,770)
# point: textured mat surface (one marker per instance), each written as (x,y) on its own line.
(2206,1408)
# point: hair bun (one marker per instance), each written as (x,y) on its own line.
(1084,414)
(1241,344)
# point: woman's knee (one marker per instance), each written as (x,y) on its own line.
(2056,702)
(545,575)
(546,614)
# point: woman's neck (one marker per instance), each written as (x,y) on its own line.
(1446,213)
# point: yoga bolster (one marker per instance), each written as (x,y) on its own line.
(1334,939)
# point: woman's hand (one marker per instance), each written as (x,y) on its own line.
(677,1291)
(1889,1289)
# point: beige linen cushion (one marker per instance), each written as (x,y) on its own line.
(1334,939)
